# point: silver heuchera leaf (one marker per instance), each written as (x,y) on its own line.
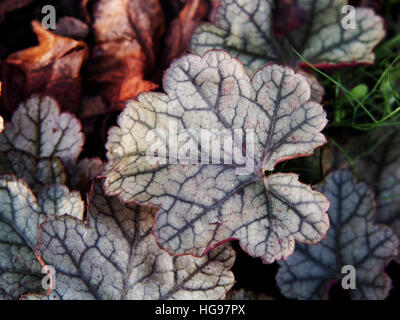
(324,36)
(381,170)
(20,217)
(203,204)
(317,90)
(353,240)
(377,161)
(58,200)
(42,146)
(38,128)
(36,172)
(20,272)
(115,256)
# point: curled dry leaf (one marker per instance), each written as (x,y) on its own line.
(127,33)
(114,256)
(245,28)
(206,202)
(20,217)
(353,240)
(52,68)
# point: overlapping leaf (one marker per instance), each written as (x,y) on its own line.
(37,172)
(376,160)
(20,217)
(38,128)
(381,169)
(115,256)
(202,205)
(245,28)
(353,240)
(42,145)
(248,30)
(39,146)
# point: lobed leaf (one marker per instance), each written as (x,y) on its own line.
(353,239)
(381,170)
(20,217)
(58,200)
(20,272)
(250,31)
(205,204)
(38,128)
(245,28)
(42,146)
(114,256)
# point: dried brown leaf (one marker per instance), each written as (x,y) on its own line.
(52,68)
(72,28)
(127,34)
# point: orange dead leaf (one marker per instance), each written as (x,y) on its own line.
(52,68)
